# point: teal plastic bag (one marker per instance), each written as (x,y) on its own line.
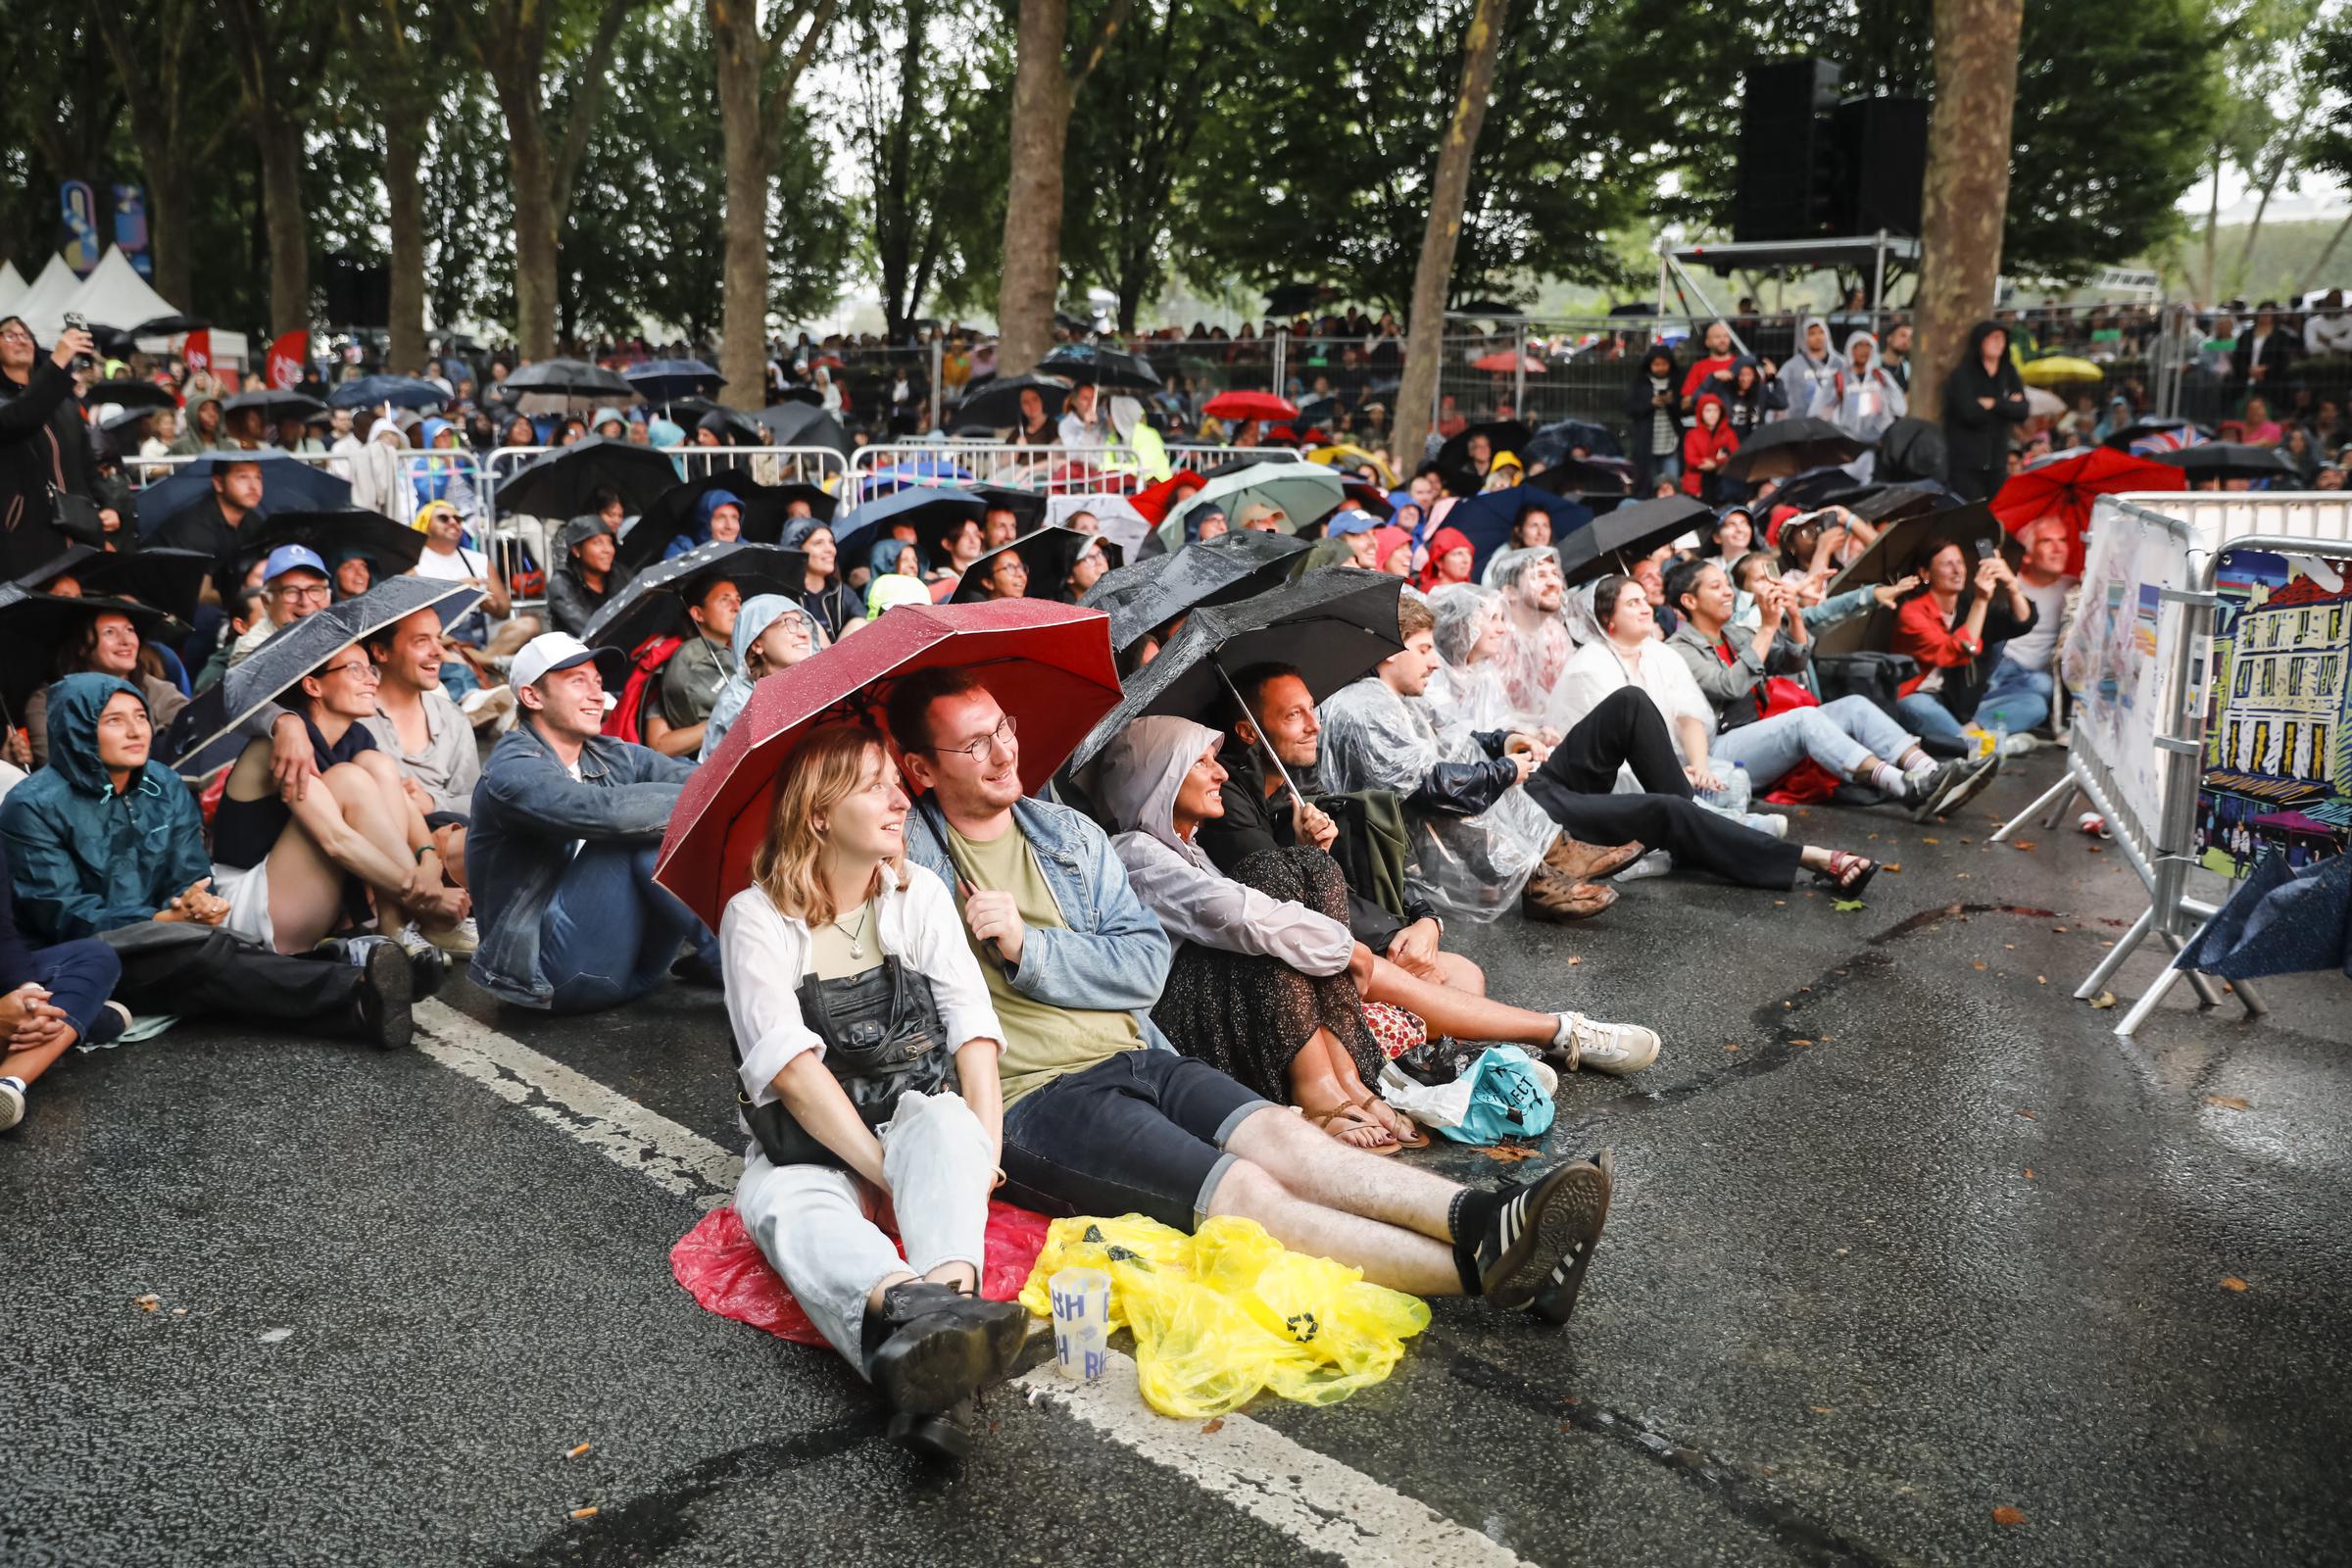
(1507,1100)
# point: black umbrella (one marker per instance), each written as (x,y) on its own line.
(766,511)
(800,392)
(129,395)
(1502,435)
(1047,553)
(1028,507)
(169,325)
(563,484)
(1614,541)
(671,378)
(1892,502)
(934,511)
(656,599)
(393,546)
(119,425)
(2232,459)
(2142,429)
(1586,476)
(1334,625)
(996,404)
(1158,589)
(805,425)
(1904,547)
(1815,487)
(740,428)
(272,669)
(1791,446)
(572,378)
(34,625)
(273,405)
(1560,440)
(377,391)
(1911,449)
(169,579)
(1101,367)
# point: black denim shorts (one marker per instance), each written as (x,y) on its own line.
(1141,1133)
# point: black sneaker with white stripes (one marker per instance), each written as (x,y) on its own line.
(1536,1243)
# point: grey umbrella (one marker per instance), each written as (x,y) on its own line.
(1156,590)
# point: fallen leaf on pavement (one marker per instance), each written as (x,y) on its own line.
(2020,844)
(1930,841)
(1509,1152)
(2006,1515)
(2103,1001)
(2231,1282)
(2228,1101)
(1216,1423)
(1980,964)
(1845,906)
(1896,866)
(1730,1048)
(2095,850)
(2029,1115)
(2029,1173)
(1800,1042)
(1822,1409)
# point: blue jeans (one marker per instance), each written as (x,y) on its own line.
(1837,735)
(2016,699)
(1142,1132)
(611,931)
(80,976)
(1925,713)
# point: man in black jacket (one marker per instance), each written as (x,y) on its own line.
(1983,398)
(2265,352)
(210,526)
(43,444)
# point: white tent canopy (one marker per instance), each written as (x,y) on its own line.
(43,305)
(12,286)
(116,295)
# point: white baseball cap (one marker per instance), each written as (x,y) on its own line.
(560,650)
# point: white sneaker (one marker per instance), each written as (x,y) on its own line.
(460,939)
(1658,863)
(1772,825)
(2019,745)
(1611,1048)
(12,1104)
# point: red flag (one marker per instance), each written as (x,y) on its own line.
(197,351)
(286,356)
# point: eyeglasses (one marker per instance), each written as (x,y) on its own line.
(16,333)
(364,666)
(300,590)
(978,749)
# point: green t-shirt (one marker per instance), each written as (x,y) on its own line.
(1040,1041)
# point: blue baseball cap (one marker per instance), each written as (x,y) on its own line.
(288,557)
(1353,520)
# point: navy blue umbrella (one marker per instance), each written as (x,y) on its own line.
(1487,519)
(374,391)
(664,380)
(286,483)
(2280,920)
(934,511)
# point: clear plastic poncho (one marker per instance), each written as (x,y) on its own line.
(1469,867)
(1531,658)
(1465,697)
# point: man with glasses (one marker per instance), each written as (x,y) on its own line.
(294,587)
(44,447)
(566,825)
(1100,1117)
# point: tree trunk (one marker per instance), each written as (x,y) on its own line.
(168,227)
(1964,203)
(404,157)
(743,330)
(1041,125)
(2212,212)
(2311,278)
(1450,188)
(535,249)
(288,223)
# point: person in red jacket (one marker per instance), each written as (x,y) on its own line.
(1706,447)
(1954,630)
(1712,370)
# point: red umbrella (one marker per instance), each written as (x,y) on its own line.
(1504,361)
(2065,485)
(1250,405)
(1152,502)
(1049,665)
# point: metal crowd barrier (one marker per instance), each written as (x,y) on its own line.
(1049,470)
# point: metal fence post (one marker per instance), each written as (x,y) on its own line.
(936,360)
(1282,361)
(1519,375)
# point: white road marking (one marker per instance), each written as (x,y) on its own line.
(1317,1501)
(1314,1500)
(679,1161)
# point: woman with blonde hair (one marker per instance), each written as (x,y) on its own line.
(867,1048)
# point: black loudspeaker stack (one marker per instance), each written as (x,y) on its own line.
(1812,166)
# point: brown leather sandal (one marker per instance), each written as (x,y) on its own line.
(1409,1136)
(1354,1121)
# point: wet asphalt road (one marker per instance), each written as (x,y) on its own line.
(1903,1236)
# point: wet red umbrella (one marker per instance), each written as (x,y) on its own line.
(1050,665)
(2066,485)
(1504,361)
(1152,502)
(1250,405)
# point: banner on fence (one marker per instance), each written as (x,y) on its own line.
(2122,692)
(2277,763)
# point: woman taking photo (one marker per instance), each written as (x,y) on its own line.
(866,1050)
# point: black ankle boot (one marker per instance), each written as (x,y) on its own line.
(949,1435)
(932,1346)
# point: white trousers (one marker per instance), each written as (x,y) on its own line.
(815,1223)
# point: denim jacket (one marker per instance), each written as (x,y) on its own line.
(527,813)
(1114,953)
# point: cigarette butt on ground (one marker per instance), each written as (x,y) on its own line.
(574,1453)
(584,1513)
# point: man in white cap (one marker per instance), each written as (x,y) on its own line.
(566,824)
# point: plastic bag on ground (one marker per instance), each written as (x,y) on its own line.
(1222,1314)
(722,1268)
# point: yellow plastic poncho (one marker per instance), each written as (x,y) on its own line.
(1221,1315)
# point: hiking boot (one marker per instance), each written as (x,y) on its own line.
(387,984)
(948,1434)
(1610,1048)
(1948,786)
(1540,1228)
(1559,900)
(931,1348)
(1572,1230)
(1578,861)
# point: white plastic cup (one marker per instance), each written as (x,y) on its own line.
(1080,1322)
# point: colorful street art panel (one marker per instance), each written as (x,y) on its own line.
(2278,775)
